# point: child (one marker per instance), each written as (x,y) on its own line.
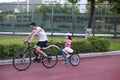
(68,48)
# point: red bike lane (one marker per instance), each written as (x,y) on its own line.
(92,68)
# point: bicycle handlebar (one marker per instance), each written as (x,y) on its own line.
(59,44)
(27,44)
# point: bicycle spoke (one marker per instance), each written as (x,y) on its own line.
(50,61)
(21,61)
(75,59)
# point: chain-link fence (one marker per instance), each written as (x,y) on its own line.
(58,18)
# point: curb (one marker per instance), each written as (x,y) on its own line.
(85,55)
(100,54)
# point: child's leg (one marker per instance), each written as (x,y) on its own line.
(66,52)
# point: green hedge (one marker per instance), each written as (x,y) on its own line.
(91,44)
(99,44)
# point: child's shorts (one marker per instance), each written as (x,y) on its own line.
(68,49)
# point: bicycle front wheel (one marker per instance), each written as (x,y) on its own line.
(51,60)
(22,61)
(74,59)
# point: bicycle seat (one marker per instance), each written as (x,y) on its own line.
(45,46)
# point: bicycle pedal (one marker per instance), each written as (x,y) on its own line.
(49,58)
(69,57)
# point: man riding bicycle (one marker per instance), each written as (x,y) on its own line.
(36,30)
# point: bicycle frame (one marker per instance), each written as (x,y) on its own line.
(56,46)
(44,48)
(28,48)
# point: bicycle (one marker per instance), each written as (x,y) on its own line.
(74,58)
(22,60)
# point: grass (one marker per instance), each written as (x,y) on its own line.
(115,44)
(6,40)
(19,39)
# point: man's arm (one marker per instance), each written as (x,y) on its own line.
(31,36)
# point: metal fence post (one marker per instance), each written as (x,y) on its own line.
(32,12)
(52,19)
(73,7)
(13,23)
(115,28)
(13,27)
(93,25)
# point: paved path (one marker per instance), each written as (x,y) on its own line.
(91,68)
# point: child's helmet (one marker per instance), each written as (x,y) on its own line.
(68,34)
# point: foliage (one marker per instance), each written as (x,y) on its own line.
(99,44)
(108,0)
(57,8)
(91,44)
(73,1)
(10,17)
(115,8)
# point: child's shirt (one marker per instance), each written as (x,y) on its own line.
(68,43)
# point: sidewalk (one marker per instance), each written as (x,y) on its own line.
(85,55)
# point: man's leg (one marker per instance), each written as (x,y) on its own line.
(36,55)
(40,52)
(35,52)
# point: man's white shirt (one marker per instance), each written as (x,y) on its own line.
(41,34)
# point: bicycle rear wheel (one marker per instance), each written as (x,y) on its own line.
(51,60)
(74,59)
(22,61)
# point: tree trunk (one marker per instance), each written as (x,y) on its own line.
(91,19)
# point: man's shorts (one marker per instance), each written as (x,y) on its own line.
(42,43)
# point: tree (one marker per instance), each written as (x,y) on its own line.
(73,10)
(91,19)
(57,8)
(73,1)
(115,8)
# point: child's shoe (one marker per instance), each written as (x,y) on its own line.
(68,56)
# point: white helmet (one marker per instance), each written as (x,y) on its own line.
(68,34)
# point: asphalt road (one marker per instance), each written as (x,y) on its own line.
(93,68)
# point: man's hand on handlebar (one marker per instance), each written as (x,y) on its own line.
(26,41)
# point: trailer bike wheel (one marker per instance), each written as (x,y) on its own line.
(74,59)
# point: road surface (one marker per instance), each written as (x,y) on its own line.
(92,68)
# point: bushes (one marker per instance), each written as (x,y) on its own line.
(91,44)
(99,44)
(82,46)
(7,51)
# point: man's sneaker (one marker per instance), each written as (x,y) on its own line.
(36,60)
(46,58)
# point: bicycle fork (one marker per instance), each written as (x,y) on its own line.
(24,57)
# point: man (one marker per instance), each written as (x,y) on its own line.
(36,30)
